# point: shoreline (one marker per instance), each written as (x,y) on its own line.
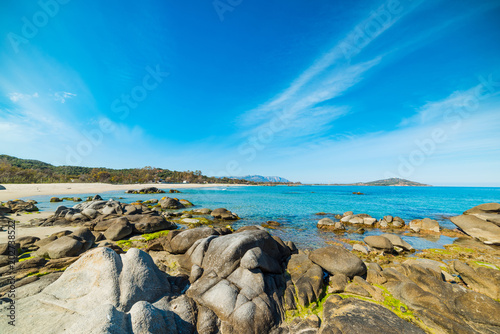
(22,190)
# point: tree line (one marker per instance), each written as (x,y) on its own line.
(16,170)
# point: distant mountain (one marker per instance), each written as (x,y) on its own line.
(260,178)
(389,182)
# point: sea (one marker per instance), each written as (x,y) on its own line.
(295,207)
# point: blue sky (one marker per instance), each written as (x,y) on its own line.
(323,91)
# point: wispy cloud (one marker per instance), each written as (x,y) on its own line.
(15,97)
(459,102)
(63,96)
(329,77)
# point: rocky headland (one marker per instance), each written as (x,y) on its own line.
(164,266)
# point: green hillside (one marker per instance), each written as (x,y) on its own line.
(16,170)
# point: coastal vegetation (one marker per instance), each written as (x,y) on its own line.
(16,170)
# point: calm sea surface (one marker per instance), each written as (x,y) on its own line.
(295,207)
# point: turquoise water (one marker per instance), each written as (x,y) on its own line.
(295,207)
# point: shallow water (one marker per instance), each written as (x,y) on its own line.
(295,207)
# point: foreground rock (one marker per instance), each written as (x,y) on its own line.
(481,222)
(352,315)
(104,292)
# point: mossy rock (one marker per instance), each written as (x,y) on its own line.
(185,202)
(155,235)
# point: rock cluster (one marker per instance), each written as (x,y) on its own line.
(216,280)
(149,190)
(363,220)
(18,206)
(481,222)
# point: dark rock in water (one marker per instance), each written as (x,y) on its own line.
(55,199)
(149,190)
(337,260)
(224,214)
(353,315)
(170,203)
(174,191)
(97,198)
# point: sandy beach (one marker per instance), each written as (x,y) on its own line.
(14,191)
